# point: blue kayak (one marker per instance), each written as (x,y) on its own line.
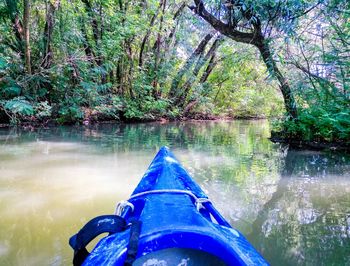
(168,220)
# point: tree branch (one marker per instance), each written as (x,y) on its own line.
(226,29)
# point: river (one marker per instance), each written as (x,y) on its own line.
(292,205)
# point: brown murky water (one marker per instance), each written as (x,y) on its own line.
(294,206)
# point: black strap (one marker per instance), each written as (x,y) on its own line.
(102,224)
(133,242)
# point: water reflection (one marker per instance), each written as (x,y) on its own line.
(306,220)
(294,206)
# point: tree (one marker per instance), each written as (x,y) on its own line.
(48,30)
(150,59)
(239,15)
(174,90)
(26,28)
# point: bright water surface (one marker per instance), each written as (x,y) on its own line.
(293,206)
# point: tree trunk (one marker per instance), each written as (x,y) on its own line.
(26,22)
(120,63)
(169,41)
(119,77)
(101,21)
(271,65)
(192,103)
(49,25)
(129,53)
(93,20)
(120,2)
(148,33)
(96,33)
(201,61)
(189,107)
(209,69)
(157,47)
(87,48)
(17,27)
(186,67)
(75,73)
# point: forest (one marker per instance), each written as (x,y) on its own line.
(87,61)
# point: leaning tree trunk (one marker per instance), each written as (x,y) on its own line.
(271,65)
(208,70)
(169,39)
(186,67)
(201,61)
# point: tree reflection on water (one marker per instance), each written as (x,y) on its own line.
(306,221)
(292,205)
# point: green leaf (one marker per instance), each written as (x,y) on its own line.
(3,63)
(19,106)
(11,91)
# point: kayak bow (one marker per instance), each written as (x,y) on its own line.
(168,220)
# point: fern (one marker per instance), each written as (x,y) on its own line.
(19,106)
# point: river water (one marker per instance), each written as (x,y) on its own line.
(292,205)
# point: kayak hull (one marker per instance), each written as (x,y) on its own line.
(175,214)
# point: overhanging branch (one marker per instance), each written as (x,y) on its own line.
(226,29)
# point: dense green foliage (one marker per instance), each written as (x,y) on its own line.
(323,83)
(97,60)
(240,88)
(108,60)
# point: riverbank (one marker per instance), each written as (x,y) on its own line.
(342,146)
(276,137)
(91,118)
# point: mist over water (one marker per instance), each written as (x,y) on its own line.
(294,206)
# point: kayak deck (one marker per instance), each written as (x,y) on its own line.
(177,218)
